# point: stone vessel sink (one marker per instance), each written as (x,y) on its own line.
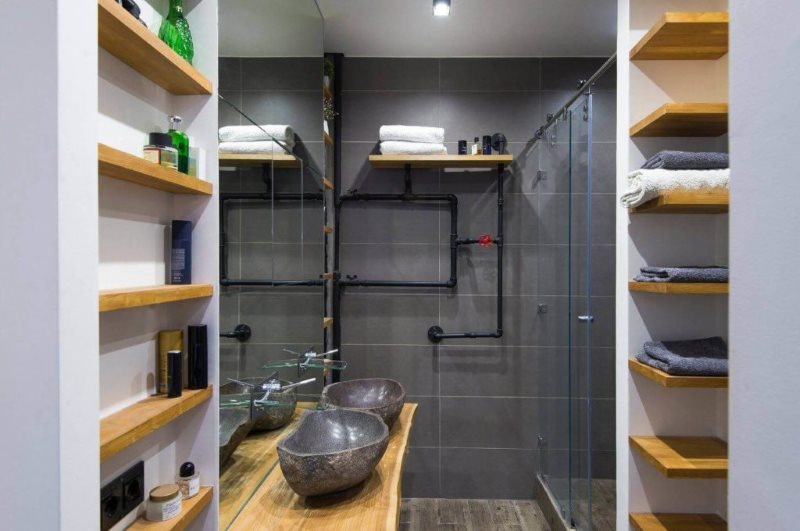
(275,413)
(381,396)
(332,450)
(234,425)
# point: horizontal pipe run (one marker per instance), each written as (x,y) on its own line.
(401,283)
(265,196)
(269,282)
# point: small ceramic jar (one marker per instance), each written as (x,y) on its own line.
(164,503)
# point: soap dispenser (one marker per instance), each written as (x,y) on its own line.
(180,141)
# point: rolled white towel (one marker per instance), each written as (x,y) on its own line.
(412,133)
(396,147)
(644,185)
(264,146)
(251,133)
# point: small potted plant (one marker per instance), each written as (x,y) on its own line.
(328,114)
(328,72)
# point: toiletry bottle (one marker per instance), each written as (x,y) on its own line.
(180,265)
(476,147)
(180,141)
(174,374)
(487,145)
(175,31)
(167,340)
(198,357)
(462,147)
(188,480)
(161,151)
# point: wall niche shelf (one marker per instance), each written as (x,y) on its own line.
(439,161)
(120,299)
(126,167)
(129,41)
(684,119)
(123,428)
(701,202)
(684,457)
(677,522)
(670,380)
(190,509)
(680,288)
(685,35)
(277,160)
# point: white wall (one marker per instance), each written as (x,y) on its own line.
(764,416)
(48,233)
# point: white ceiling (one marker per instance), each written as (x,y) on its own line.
(475,28)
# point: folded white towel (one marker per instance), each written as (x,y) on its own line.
(411,133)
(644,185)
(251,133)
(396,147)
(264,146)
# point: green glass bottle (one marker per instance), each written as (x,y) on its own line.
(175,31)
(180,141)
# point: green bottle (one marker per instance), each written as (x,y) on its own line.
(180,142)
(175,31)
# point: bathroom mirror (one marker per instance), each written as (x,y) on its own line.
(272,204)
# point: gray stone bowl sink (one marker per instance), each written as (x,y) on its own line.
(381,396)
(332,450)
(234,425)
(275,413)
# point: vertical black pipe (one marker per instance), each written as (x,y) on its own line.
(500,243)
(338,66)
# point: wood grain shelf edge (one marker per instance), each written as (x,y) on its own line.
(670,380)
(677,522)
(120,165)
(440,161)
(684,457)
(711,201)
(120,299)
(697,35)
(684,119)
(680,288)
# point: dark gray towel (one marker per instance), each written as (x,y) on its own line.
(683,274)
(694,357)
(687,160)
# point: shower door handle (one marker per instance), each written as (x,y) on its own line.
(586,318)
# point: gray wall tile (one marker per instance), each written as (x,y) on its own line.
(489,422)
(367,111)
(282,73)
(425,431)
(383,261)
(564,72)
(397,74)
(230,73)
(397,319)
(465,115)
(416,367)
(490,74)
(484,473)
(421,473)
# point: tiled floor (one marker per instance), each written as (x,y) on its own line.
(431,514)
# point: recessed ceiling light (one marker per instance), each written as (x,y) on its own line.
(441,8)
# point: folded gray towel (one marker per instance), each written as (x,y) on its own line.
(694,357)
(687,160)
(683,274)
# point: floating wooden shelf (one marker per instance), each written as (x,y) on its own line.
(327,321)
(684,457)
(119,299)
(327,183)
(690,35)
(670,380)
(123,428)
(680,288)
(327,138)
(278,160)
(326,92)
(684,119)
(712,201)
(126,167)
(127,39)
(189,510)
(677,522)
(439,161)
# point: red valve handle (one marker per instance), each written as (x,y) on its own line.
(485,240)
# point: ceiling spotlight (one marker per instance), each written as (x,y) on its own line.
(441,8)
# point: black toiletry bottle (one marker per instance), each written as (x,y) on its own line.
(487,144)
(462,147)
(174,375)
(197,350)
(180,265)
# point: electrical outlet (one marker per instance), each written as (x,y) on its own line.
(121,495)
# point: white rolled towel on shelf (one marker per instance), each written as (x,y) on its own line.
(251,148)
(252,133)
(411,133)
(393,147)
(644,185)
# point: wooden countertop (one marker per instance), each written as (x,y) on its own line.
(373,505)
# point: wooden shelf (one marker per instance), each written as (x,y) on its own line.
(684,119)
(677,522)
(278,160)
(712,201)
(327,138)
(680,288)
(326,92)
(129,41)
(685,35)
(126,167)
(670,380)
(439,161)
(189,510)
(119,299)
(684,457)
(123,428)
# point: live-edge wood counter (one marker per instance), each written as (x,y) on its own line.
(373,505)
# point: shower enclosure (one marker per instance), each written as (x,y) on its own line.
(563,151)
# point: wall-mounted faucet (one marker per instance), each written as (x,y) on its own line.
(303,359)
(242,332)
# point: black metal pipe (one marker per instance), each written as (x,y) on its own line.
(269,282)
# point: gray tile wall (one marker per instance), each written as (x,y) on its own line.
(482,403)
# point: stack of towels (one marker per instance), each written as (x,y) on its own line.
(676,170)
(251,139)
(694,357)
(683,274)
(412,140)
